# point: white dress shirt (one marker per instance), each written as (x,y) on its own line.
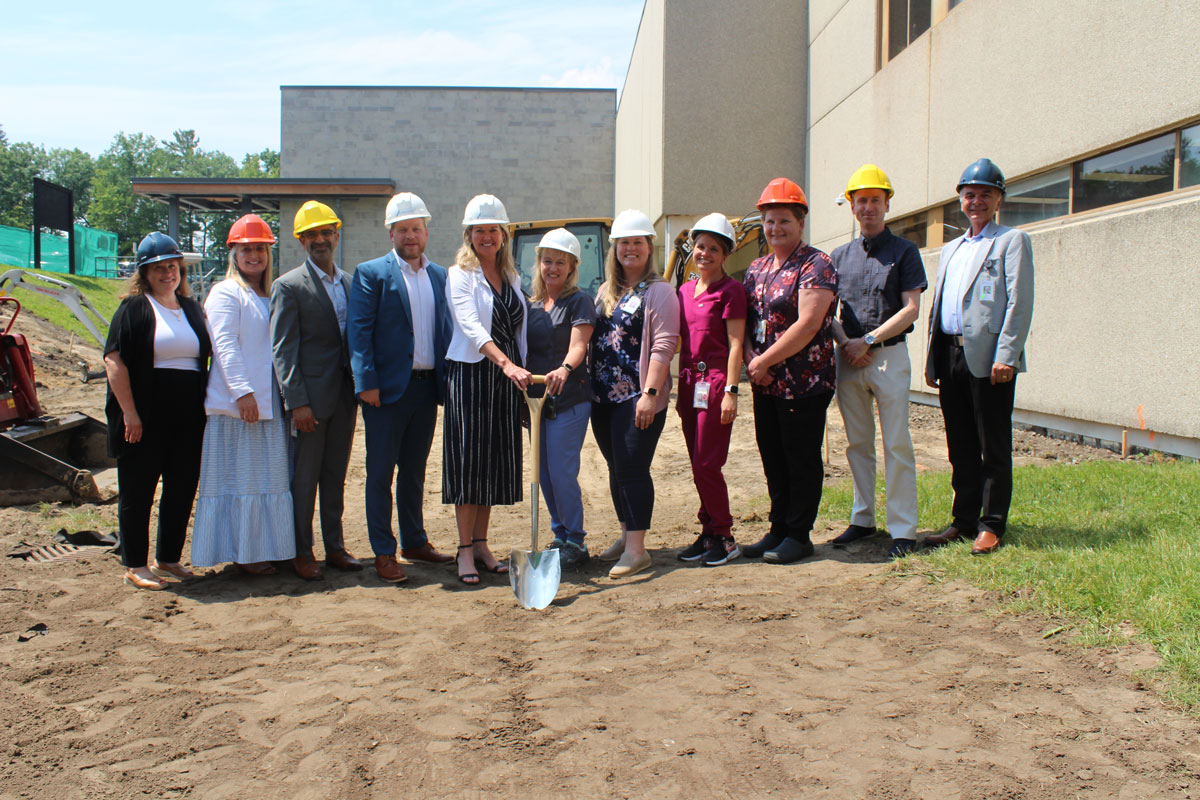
(420,300)
(336,291)
(952,286)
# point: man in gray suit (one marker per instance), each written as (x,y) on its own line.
(982,307)
(312,362)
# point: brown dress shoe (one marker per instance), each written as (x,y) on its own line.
(389,569)
(307,568)
(427,554)
(951,534)
(340,559)
(986,542)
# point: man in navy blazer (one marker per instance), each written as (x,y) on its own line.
(982,308)
(398,331)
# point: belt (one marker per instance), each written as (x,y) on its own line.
(955,340)
(423,374)
(888,342)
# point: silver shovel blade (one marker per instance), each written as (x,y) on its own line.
(534,575)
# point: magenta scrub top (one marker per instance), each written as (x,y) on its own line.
(703,336)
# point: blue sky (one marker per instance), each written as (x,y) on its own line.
(73,74)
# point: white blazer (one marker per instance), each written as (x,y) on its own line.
(470,298)
(240,330)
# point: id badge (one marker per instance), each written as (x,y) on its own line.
(700,395)
(987,291)
(631,305)
(760,331)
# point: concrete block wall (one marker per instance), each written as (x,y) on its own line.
(546,153)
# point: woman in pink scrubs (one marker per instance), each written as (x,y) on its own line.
(713,313)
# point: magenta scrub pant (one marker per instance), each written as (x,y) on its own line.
(708,448)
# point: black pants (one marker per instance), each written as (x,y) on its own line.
(628,451)
(978,416)
(172,436)
(789,435)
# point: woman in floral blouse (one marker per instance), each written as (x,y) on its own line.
(789,357)
(637,328)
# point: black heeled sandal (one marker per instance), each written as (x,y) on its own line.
(499,569)
(466,578)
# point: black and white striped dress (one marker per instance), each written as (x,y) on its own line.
(481,436)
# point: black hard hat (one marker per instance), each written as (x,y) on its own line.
(157,246)
(982,173)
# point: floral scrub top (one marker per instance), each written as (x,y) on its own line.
(617,348)
(772,310)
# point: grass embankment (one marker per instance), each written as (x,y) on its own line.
(1095,545)
(102,292)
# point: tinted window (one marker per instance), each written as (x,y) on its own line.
(913,228)
(1140,170)
(592,243)
(1039,197)
(1189,167)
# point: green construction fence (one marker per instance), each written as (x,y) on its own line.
(95,251)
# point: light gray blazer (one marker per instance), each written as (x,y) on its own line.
(312,361)
(995,327)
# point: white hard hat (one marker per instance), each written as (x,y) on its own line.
(485,209)
(561,239)
(631,223)
(405,205)
(715,223)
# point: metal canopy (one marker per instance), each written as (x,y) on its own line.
(255,194)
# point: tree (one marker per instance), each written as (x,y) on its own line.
(114,206)
(73,169)
(264,164)
(20,163)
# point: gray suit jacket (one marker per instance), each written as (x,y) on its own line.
(311,359)
(997,306)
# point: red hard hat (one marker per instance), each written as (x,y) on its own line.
(782,191)
(250,229)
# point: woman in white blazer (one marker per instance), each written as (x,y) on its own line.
(244,511)
(481,437)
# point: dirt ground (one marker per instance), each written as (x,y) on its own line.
(836,677)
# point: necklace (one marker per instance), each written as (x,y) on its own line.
(177,313)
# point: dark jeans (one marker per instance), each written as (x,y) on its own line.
(628,451)
(978,416)
(398,437)
(172,437)
(789,435)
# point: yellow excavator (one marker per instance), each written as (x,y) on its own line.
(750,245)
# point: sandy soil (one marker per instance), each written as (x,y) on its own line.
(837,677)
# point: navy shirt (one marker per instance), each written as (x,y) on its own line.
(873,274)
(549,334)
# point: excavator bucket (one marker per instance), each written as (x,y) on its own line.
(56,459)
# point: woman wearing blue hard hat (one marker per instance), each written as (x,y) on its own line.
(156,358)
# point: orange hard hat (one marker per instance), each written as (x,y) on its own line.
(250,229)
(782,191)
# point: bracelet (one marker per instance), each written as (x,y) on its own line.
(567,367)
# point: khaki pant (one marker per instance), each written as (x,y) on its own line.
(885,382)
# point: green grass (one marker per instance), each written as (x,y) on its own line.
(102,292)
(1099,546)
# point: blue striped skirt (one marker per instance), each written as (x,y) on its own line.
(244,508)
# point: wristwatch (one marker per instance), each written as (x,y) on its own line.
(652,392)
(869,339)
(732,389)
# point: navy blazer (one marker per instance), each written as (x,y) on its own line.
(379,328)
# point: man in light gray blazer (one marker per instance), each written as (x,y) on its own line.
(982,307)
(312,363)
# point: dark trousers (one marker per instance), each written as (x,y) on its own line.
(789,435)
(172,436)
(319,461)
(628,451)
(398,437)
(978,416)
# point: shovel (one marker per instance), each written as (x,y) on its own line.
(534,573)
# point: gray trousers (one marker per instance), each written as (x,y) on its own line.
(319,462)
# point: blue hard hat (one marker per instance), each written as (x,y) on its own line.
(157,246)
(982,173)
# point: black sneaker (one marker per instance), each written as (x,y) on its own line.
(572,556)
(901,547)
(555,544)
(696,550)
(721,551)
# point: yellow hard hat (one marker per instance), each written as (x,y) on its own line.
(868,176)
(313,215)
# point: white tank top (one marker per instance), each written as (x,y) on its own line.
(175,343)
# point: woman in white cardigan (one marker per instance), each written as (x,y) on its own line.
(481,437)
(244,512)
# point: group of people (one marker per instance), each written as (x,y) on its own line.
(253,399)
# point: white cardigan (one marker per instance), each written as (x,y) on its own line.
(470,298)
(240,330)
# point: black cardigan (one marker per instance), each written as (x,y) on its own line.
(131,336)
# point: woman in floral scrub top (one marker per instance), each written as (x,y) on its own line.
(789,356)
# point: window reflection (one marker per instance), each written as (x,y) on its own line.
(1189,157)
(913,228)
(1140,170)
(1039,197)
